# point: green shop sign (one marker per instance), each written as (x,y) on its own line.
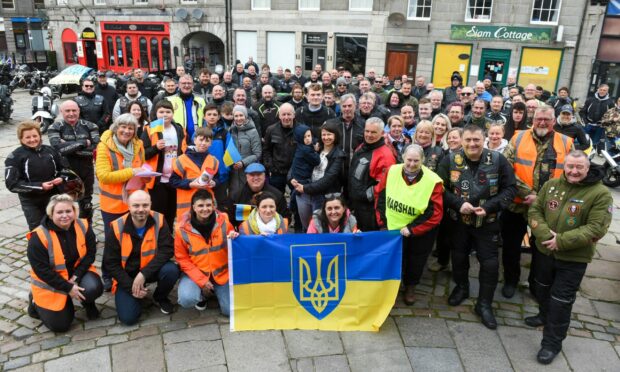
(538,35)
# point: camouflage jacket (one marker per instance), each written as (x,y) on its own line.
(611,122)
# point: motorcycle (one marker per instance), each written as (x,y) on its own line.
(44,107)
(611,154)
(21,78)
(6,103)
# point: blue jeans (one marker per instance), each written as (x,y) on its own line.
(129,308)
(190,294)
(306,204)
(596,134)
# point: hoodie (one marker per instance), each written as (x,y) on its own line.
(595,107)
(575,131)
(305,158)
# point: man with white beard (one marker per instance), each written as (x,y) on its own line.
(536,155)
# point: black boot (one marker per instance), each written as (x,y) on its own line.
(535,321)
(32,310)
(459,294)
(545,356)
(92,312)
(483,306)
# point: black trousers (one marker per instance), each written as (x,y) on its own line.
(164,201)
(34,209)
(484,240)
(557,283)
(416,250)
(366,217)
(60,321)
(83,167)
(445,236)
(514,227)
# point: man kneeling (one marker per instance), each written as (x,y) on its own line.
(201,249)
(138,250)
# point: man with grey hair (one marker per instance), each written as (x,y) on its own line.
(436,98)
(567,229)
(76,139)
(367,175)
(279,147)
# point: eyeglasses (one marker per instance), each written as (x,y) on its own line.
(333,195)
(88,86)
(466,94)
(342,85)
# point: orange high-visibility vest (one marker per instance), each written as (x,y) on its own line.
(185,168)
(211,259)
(111,197)
(148,250)
(156,136)
(44,295)
(526,154)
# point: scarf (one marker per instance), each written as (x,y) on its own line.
(127,152)
(257,226)
(204,228)
(410,175)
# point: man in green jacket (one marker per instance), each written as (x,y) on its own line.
(569,216)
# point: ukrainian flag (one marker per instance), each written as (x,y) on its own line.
(242,211)
(157,126)
(339,282)
(231,155)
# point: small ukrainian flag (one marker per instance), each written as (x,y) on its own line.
(157,126)
(231,155)
(242,211)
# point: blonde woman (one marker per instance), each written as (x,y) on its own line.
(425,137)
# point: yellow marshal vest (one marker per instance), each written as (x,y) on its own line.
(404,203)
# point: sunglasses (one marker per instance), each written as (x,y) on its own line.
(333,195)
(466,94)
(88,86)
(342,85)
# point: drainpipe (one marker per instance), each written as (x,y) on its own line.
(572,73)
(228,33)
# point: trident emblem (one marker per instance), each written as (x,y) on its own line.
(317,293)
(319,277)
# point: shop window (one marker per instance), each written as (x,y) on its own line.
(110,44)
(20,41)
(420,10)
(39,4)
(309,4)
(70,50)
(165,53)
(8,4)
(479,10)
(154,54)
(360,5)
(261,4)
(144,53)
(351,53)
(128,51)
(546,11)
(119,51)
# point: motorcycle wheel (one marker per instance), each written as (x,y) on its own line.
(44,127)
(611,178)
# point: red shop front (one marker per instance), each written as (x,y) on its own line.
(128,45)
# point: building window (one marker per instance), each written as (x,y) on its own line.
(190,2)
(70,50)
(141,2)
(8,4)
(119,51)
(154,54)
(111,59)
(62,2)
(479,10)
(360,5)
(99,2)
(128,51)
(165,53)
(309,4)
(261,4)
(39,4)
(420,9)
(144,53)
(351,52)
(546,11)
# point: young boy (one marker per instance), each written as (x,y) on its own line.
(189,168)
(220,141)
(305,159)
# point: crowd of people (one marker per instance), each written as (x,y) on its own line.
(320,154)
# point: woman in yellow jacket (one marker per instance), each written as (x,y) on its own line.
(120,156)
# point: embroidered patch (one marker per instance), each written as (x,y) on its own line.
(465,185)
(553,205)
(574,210)
(534,224)
(458,160)
(571,221)
(454,176)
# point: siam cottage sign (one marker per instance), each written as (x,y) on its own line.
(534,35)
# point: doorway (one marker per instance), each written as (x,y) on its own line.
(314,56)
(401,59)
(495,63)
(90,52)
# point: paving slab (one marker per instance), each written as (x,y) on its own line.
(603,269)
(381,350)
(331,363)
(194,355)
(601,289)
(254,351)
(206,333)
(424,332)
(607,310)
(522,345)
(434,359)
(589,355)
(480,348)
(608,252)
(145,354)
(92,360)
(312,343)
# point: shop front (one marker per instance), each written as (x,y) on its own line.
(538,65)
(128,45)
(606,69)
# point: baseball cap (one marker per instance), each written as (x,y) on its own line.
(566,108)
(255,168)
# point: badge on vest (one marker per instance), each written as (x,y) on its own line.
(573,210)
(553,205)
(464,185)
(454,176)
(488,161)
(482,178)
(458,160)
(571,221)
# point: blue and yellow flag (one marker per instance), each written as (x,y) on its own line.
(231,155)
(338,282)
(242,211)
(157,126)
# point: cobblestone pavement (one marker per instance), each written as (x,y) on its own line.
(429,336)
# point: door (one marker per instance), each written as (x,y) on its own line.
(494,63)
(281,49)
(401,63)
(449,58)
(91,54)
(312,57)
(540,66)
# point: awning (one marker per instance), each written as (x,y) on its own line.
(71,75)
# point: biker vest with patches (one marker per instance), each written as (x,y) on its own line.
(474,187)
(124,103)
(91,109)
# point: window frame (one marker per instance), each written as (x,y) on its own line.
(551,23)
(99,3)
(141,2)
(352,9)
(308,9)
(478,20)
(254,7)
(416,18)
(40,6)
(189,2)
(62,2)
(12,2)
